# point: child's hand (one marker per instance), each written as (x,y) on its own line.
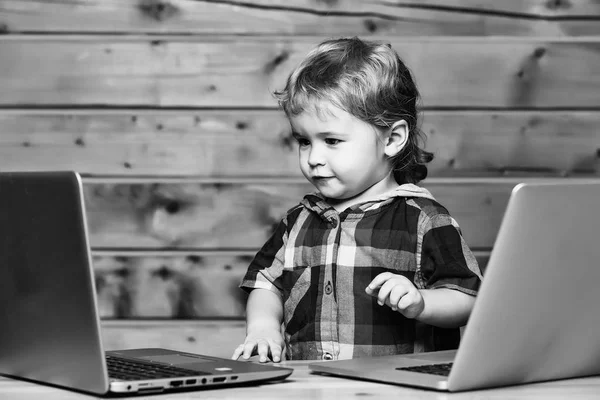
(397,292)
(266,343)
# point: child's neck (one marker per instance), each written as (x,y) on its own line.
(383,186)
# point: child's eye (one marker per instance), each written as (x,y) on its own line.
(302,142)
(332,142)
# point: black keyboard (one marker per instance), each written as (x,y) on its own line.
(435,369)
(132,370)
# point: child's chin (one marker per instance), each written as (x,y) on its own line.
(334,198)
(330,195)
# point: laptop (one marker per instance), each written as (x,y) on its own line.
(537,315)
(49,324)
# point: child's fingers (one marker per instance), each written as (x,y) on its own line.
(284,353)
(249,347)
(238,352)
(409,304)
(378,281)
(384,292)
(398,293)
(276,351)
(405,302)
(263,350)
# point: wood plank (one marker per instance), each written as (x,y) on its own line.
(529,8)
(304,17)
(163,285)
(217,338)
(513,143)
(186,215)
(241,215)
(256,143)
(176,285)
(242,71)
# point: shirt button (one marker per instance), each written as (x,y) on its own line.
(327,357)
(328,289)
(334,223)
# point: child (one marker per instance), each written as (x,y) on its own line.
(371,264)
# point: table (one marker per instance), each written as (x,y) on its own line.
(303,384)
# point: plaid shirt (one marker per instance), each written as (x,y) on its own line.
(320,261)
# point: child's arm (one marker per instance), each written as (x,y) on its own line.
(264,314)
(445,308)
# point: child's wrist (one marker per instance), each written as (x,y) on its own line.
(262,325)
(421,312)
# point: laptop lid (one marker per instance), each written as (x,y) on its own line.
(50,330)
(48,314)
(536,315)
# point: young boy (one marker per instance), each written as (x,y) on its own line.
(370,264)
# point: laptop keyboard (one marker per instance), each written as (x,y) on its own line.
(435,369)
(132,370)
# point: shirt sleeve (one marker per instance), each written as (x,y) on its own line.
(444,259)
(265,270)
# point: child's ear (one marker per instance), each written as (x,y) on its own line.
(397,139)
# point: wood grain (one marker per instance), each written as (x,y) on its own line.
(258,143)
(242,215)
(303,384)
(196,285)
(171,286)
(243,71)
(304,17)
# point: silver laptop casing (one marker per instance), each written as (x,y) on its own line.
(536,317)
(49,325)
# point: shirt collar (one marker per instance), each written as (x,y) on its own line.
(317,203)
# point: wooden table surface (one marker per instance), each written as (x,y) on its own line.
(303,384)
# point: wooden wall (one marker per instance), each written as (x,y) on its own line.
(165,107)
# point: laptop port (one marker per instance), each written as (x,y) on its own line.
(176,383)
(190,381)
(234,378)
(219,380)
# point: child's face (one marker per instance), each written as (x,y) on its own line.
(342,156)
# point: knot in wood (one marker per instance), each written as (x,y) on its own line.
(557,4)
(157,10)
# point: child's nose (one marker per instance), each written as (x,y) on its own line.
(316,157)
